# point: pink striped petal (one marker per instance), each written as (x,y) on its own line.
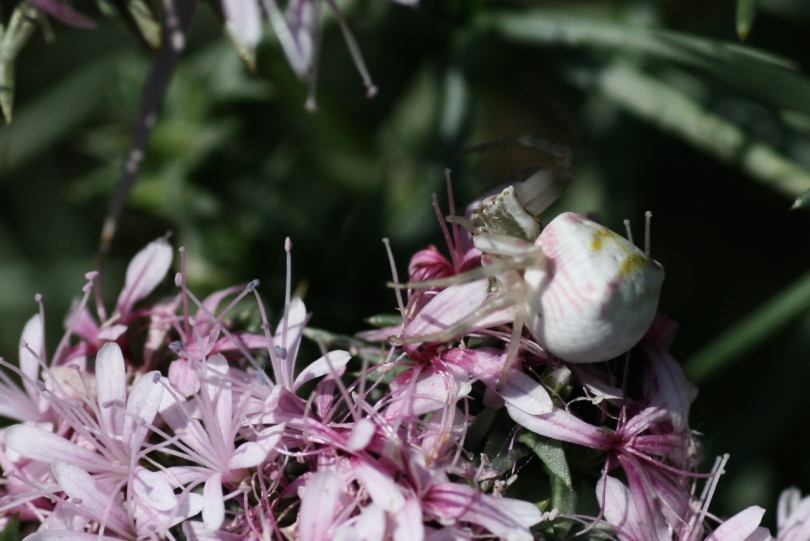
(147,269)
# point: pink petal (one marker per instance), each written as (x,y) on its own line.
(408,524)
(213,512)
(561,425)
(111,386)
(744,526)
(788,501)
(220,394)
(369,525)
(330,363)
(63,12)
(288,336)
(674,390)
(153,491)
(142,406)
(526,394)
(38,444)
(66,535)
(184,378)
(506,518)
(196,531)
(111,333)
(29,364)
(362,433)
(383,490)
(432,392)
(247,455)
(793,516)
(320,504)
(448,308)
(615,498)
(145,272)
(97,503)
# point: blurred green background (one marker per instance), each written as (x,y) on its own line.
(663,106)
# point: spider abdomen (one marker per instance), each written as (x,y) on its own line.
(596,293)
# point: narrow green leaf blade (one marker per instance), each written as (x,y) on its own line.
(751,332)
(802,201)
(746,13)
(762,76)
(661,104)
(564,500)
(12,530)
(138,16)
(551,453)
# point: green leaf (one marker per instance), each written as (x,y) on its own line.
(746,13)
(751,332)
(802,201)
(51,116)
(759,75)
(381,321)
(20,29)
(564,500)
(661,104)
(12,530)
(551,453)
(138,16)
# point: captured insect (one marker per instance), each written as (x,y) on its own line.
(585,293)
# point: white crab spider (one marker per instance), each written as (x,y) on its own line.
(585,293)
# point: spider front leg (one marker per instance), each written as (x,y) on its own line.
(458,309)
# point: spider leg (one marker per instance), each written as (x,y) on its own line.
(497,302)
(488,271)
(514,346)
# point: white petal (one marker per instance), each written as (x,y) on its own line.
(145,272)
(329,363)
(526,394)
(196,531)
(362,432)
(213,512)
(112,333)
(65,535)
(369,525)
(244,21)
(142,406)
(38,444)
(744,526)
(382,489)
(220,394)
(408,523)
(29,364)
(153,490)
(448,308)
(320,503)
(111,386)
(80,485)
(288,336)
(247,455)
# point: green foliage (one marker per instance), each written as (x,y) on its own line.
(664,109)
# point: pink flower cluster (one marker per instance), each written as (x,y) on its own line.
(165,420)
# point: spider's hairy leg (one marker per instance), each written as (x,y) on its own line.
(497,302)
(487,271)
(514,344)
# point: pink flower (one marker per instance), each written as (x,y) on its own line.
(793,516)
